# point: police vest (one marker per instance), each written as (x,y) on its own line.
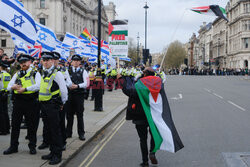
(26,81)
(109,73)
(77,78)
(160,75)
(46,92)
(91,75)
(113,72)
(4,81)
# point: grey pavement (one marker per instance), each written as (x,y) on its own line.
(212,116)
(113,103)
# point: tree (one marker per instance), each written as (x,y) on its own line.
(175,55)
(132,51)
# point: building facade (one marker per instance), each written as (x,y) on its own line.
(64,16)
(225,44)
(238,33)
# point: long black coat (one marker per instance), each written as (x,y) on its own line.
(135,110)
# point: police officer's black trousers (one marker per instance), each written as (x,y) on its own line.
(27,108)
(62,115)
(142,131)
(51,118)
(4,117)
(75,105)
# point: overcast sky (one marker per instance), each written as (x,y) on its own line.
(163,18)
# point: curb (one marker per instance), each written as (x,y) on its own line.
(107,120)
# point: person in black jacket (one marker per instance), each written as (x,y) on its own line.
(136,113)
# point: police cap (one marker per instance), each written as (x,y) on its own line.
(76,57)
(57,55)
(23,58)
(47,55)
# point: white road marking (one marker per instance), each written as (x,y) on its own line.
(239,107)
(208,90)
(177,98)
(218,95)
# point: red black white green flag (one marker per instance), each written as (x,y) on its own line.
(213,10)
(157,110)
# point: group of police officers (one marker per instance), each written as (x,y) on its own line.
(55,92)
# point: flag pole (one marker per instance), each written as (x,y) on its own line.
(172,38)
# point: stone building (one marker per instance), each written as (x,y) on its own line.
(65,16)
(225,44)
(219,43)
(238,34)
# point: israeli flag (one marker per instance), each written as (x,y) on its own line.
(92,60)
(71,41)
(46,37)
(17,21)
(64,52)
(126,59)
(20,46)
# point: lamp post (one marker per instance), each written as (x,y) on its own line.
(145,50)
(146,15)
(99,82)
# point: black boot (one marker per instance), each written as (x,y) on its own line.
(47,157)
(55,160)
(10,150)
(32,150)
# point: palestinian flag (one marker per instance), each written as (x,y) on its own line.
(157,110)
(85,34)
(213,10)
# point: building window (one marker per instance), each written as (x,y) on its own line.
(3,43)
(42,21)
(246,25)
(245,42)
(247,8)
(42,4)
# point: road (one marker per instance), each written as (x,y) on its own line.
(212,116)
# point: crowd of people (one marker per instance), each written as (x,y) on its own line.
(218,71)
(54,90)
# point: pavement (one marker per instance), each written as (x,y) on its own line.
(113,104)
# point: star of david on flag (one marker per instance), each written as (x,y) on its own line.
(16,20)
(46,38)
(64,52)
(71,41)
(42,36)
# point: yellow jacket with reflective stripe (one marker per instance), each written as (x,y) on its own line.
(91,75)
(45,93)
(4,81)
(27,81)
(113,72)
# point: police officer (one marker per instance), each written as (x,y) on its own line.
(160,73)
(4,81)
(52,95)
(109,78)
(25,84)
(68,82)
(80,80)
(92,73)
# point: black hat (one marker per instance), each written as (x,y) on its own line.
(76,57)
(56,55)
(47,55)
(4,64)
(23,58)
